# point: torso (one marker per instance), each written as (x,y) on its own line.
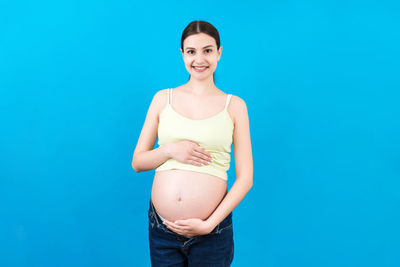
(182,194)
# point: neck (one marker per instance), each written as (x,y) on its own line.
(201,87)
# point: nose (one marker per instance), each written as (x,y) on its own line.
(199,58)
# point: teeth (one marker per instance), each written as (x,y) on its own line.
(199,67)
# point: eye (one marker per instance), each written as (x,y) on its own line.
(209,50)
(189,51)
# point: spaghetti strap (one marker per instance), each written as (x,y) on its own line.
(228,99)
(218,139)
(168,96)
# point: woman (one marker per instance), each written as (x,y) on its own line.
(190,210)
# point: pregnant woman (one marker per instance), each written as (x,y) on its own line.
(190,209)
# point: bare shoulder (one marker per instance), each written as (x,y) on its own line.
(161,96)
(237,108)
(159,101)
(148,135)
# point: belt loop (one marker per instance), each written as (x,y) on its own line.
(217,228)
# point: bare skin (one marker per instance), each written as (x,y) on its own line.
(182,194)
(194,203)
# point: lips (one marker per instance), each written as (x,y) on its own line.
(199,69)
(200,66)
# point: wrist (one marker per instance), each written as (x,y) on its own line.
(210,225)
(166,150)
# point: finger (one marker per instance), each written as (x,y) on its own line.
(200,158)
(193,161)
(200,152)
(198,161)
(183,225)
(176,230)
(176,226)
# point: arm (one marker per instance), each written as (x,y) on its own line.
(145,157)
(243,163)
(148,160)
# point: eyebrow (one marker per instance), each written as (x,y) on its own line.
(203,47)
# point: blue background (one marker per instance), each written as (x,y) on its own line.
(321,82)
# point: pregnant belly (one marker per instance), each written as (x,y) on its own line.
(182,194)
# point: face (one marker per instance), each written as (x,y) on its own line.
(200,50)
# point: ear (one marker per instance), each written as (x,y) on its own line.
(219,52)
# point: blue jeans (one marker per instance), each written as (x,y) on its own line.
(168,248)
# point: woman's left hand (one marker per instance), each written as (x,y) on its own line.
(189,227)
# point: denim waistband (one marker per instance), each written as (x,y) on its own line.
(162,219)
(225,223)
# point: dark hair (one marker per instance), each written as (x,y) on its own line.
(199,26)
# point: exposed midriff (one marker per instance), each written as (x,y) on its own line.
(182,194)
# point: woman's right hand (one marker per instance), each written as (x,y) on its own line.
(189,152)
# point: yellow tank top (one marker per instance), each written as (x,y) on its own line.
(214,134)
